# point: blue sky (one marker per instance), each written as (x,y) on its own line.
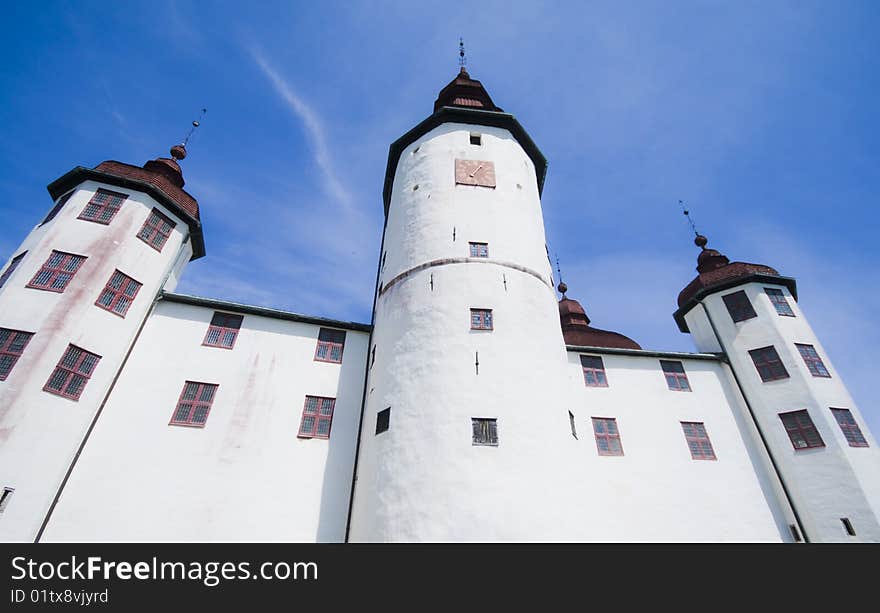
(762,116)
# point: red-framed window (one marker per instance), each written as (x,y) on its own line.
(777,297)
(11,268)
(812,360)
(485,431)
(317,417)
(12,344)
(119,293)
(194,404)
(156,230)
(330,345)
(801,430)
(848,426)
(58,206)
(481,319)
(676,378)
(738,306)
(103,206)
(607,436)
(769,366)
(57,271)
(223,330)
(594,371)
(72,373)
(697,440)
(479,250)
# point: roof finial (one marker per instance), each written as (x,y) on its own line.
(462,60)
(178,152)
(700,240)
(562,287)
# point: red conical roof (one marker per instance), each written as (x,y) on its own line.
(576,328)
(465,92)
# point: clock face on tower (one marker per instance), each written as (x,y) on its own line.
(475,172)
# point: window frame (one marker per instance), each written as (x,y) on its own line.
(491,428)
(699,437)
(56,271)
(595,371)
(677,376)
(14,263)
(7,352)
(607,436)
(851,430)
(156,229)
(196,403)
(768,364)
(318,416)
(328,346)
(222,330)
(383,420)
(71,372)
(474,249)
(779,301)
(739,307)
(796,427)
(118,294)
(486,319)
(813,362)
(114,202)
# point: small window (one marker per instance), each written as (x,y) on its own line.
(845,420)
(769,365)
(738,306)
(57,271)
(594,371)
(156,230)
(800,429)
(5,497)
(223,330)
(697,440)
(330,345)
(12,344)
(384,255)
(485,431)
(777,297)
(118,294)
(481,319)
(795,533)
(58,206)
(572,424)
(72,373)
(194,404)
(479,250)
(607,436)
(103,206)
(317,417)
(373,356)
(476,139)
(847,525)
(813,361)
(383,420)
(11,268)
(676,378)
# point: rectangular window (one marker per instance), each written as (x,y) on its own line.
(738,306)
(572,424)
(103,206)
(485,431)
(697,440)
(72,373)
(481,319)
(847,424)
(800,429)
(813,361)
(330,345)
(194,404)
(594,371)
(58,206)
(119,293)
(57,271)
(479,250)
(779,302)
(373,356)
(383,420)
(769,365)
(11,268)
(676,378)
(12,344)
(156,230)
(223,330)
(607,436)
(847,525)
(317,417)
(476,139)
(5,497)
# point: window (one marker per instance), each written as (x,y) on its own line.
(676,378)
(800,429)
(57,271)
(12,344)
(317,417)
(813,361)
(58,206)
(330,345)
(769,365)
(571,423)
(845,420)
(72,373)
(476,138)
(194,404)
(383,420)
(223,330)
(481,319)
(607,436)
(11,268)
(479,250)
(373,356)
(5,497)
(594,371)
(118,294)
(795,533)
(779,302)
(103,206)
(738,306)
(156,230)
(485,431)
(847,525)
(697,440)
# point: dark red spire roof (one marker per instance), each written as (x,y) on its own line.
(576,328)
(465,92)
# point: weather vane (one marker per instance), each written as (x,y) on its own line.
(688,215)
(195,124)
(462,61)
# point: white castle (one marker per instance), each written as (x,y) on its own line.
(476,406)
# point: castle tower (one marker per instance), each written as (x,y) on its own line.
(73,299)
(825,456)
(467,367)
